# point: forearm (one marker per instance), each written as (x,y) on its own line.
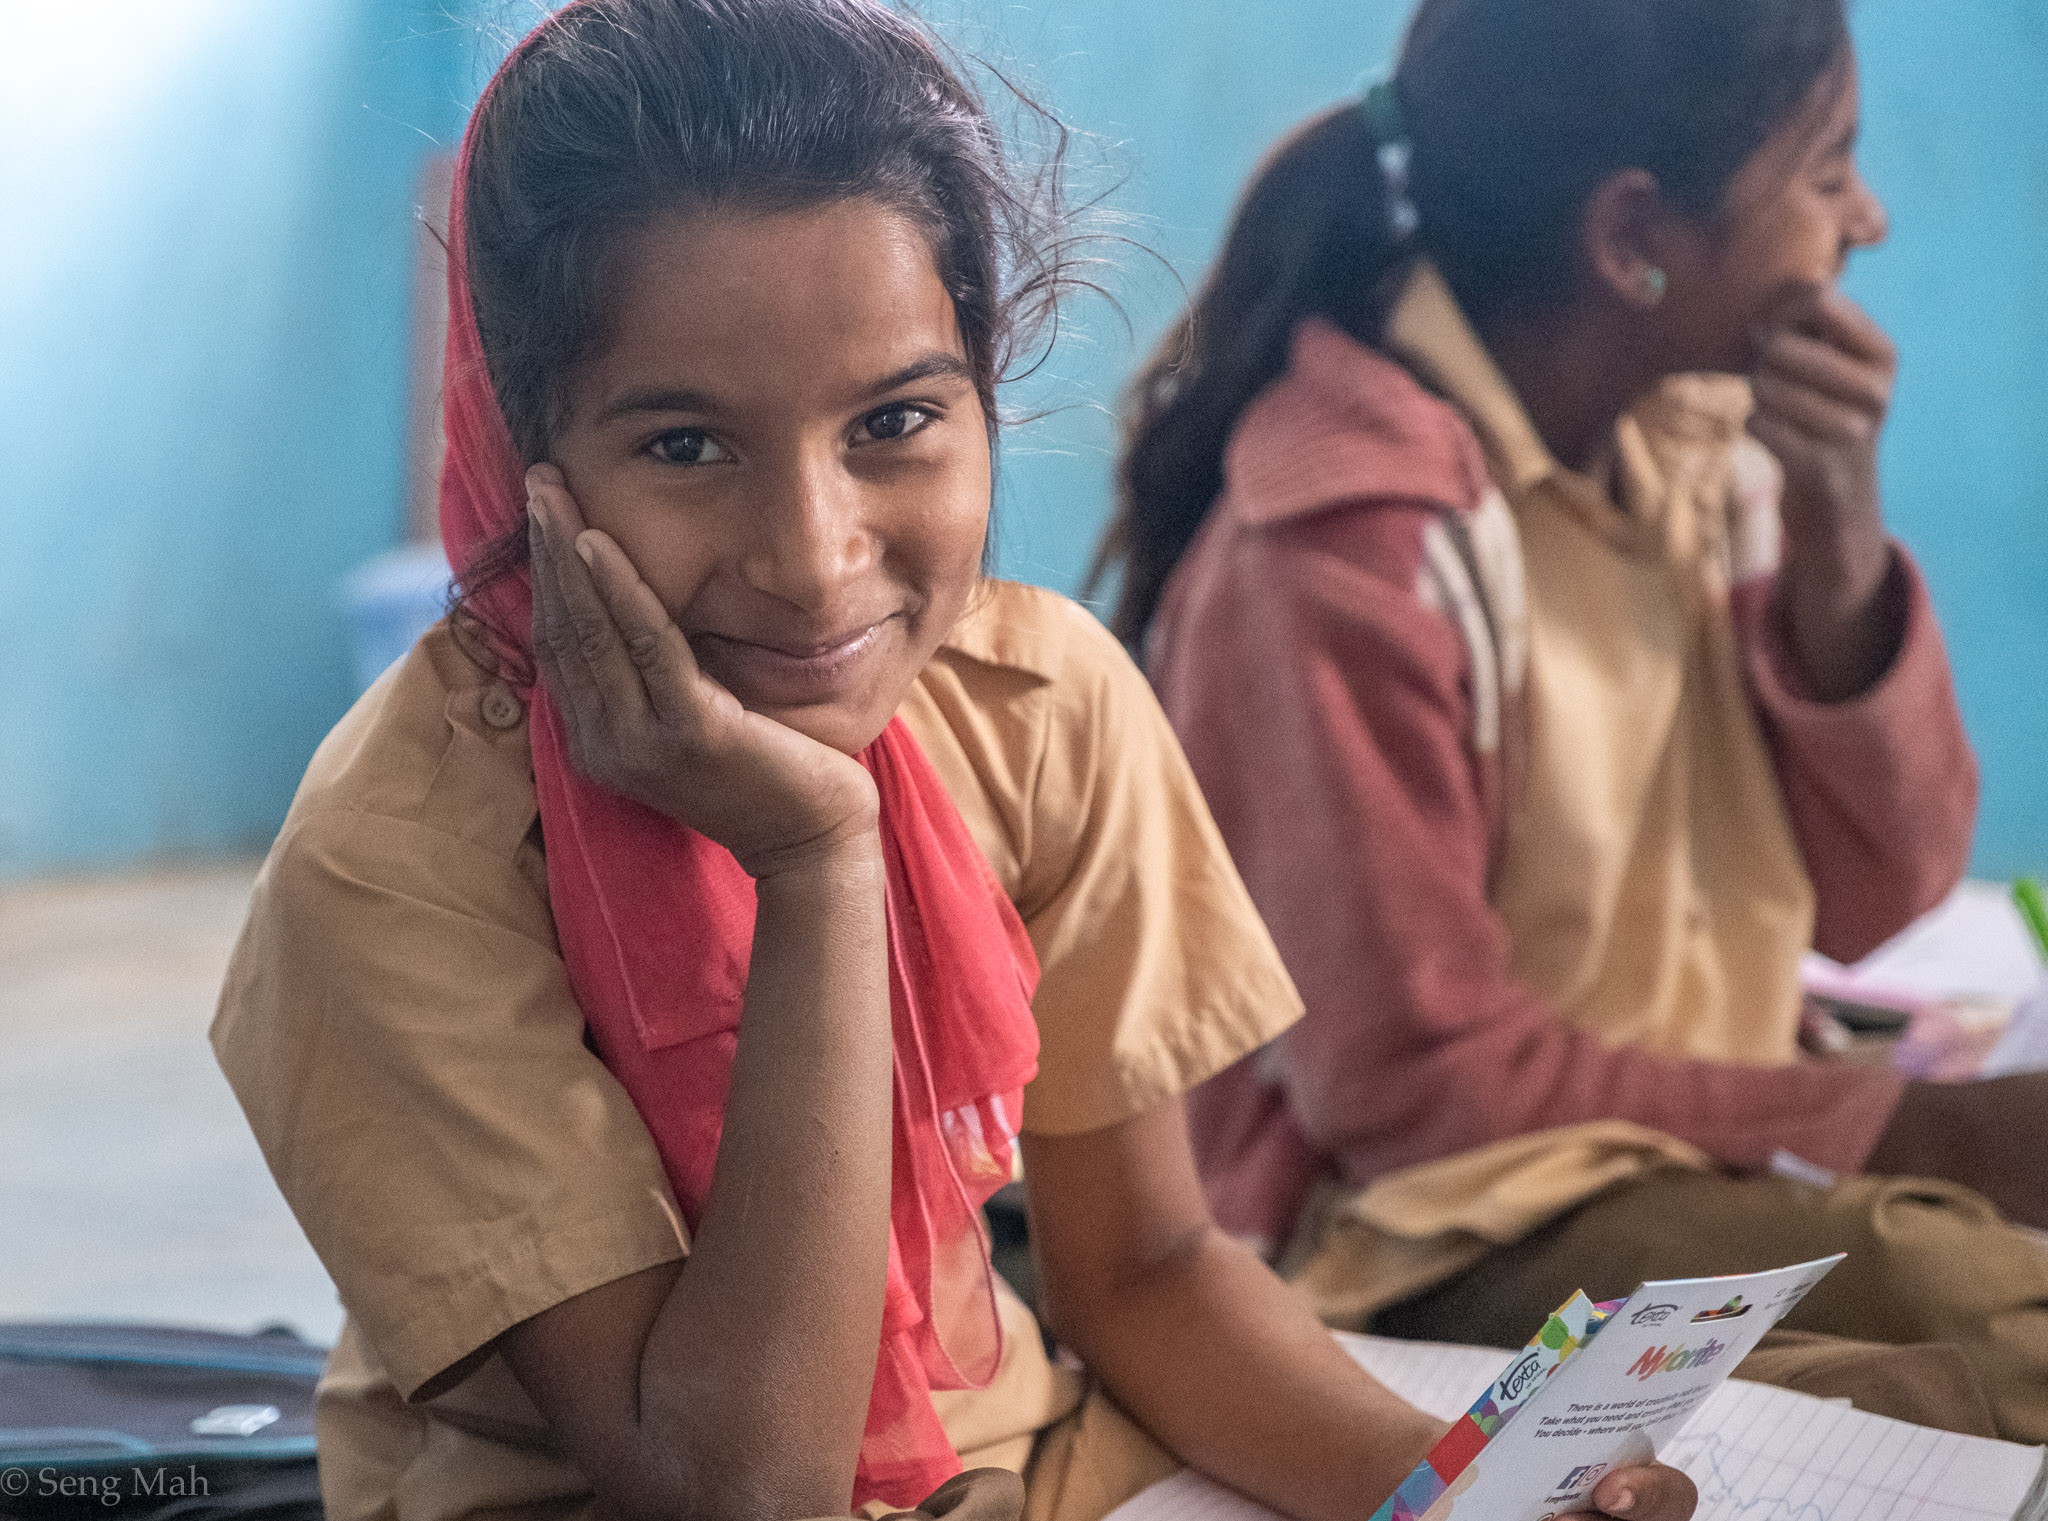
(1844,609)
(1279,1411)
(1197,1339)
(1822,382)
(1374,1104)
(764,1353)
(738,1385)
(1881,789)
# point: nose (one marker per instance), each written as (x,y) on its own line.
(1867,222)
(810,537)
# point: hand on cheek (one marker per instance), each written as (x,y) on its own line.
(1823,384)
(641,718)
(1650,1493)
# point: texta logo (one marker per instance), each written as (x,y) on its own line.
(1665,1360)
(1734,1307)
(1516,1381)
(1653,1315)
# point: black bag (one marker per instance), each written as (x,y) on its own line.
(156,1423)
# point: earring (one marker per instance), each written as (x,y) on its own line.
(1654,284)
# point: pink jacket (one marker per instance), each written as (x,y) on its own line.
(1327,713)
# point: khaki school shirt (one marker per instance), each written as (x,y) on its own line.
(1650,883)
(398,1026)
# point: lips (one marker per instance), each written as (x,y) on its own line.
(779,672)
(817,650)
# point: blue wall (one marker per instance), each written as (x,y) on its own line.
(1955,119)
(202,405)
(1186,95)
(1174,102)
(203,308)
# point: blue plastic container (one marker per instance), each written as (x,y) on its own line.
(389,602)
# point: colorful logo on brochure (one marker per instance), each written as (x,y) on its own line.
(1667,1360)
(1521,1376)
(1729,1311)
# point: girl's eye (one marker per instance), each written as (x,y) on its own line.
(687,446)
(895,422)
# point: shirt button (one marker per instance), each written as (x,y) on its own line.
(501,709)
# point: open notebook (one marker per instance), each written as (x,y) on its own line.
(1757,1453)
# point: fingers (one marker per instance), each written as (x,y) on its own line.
(1823,377)
(980,1494)
(549,482)
(630,694)
(1857,331)
(1653,1492)
(1823,313)
(598,681)
(554,645)
(1800,359)
(652,642)
(1789,446)
(1821,419)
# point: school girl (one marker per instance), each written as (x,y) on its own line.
(1555,688)
(659,965)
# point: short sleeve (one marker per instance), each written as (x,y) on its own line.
(1156,971)
(399,1029)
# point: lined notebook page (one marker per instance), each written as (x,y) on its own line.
(1763,1454)
(1757,1453)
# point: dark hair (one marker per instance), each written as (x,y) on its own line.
(621,111)
(1516,111)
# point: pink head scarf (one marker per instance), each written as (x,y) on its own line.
(656,925)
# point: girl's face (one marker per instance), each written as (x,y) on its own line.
(785,438)
(1791,216)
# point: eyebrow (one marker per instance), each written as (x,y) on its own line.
(644,399)
(933,366)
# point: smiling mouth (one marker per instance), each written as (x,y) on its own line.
(765,675)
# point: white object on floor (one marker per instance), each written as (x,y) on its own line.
(1973,945)
(390,601)
(2024,1045)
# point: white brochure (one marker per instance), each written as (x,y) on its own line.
(1622,1394)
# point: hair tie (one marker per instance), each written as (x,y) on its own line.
(1381,108)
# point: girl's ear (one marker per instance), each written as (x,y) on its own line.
(1623,237)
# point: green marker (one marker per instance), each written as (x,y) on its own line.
(2033,907)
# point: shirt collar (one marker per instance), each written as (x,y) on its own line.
(1428,332)
(998,630)
(1640,500)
